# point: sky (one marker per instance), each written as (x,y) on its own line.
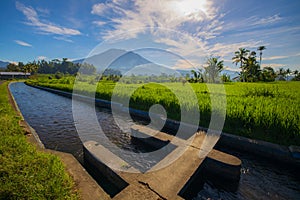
(160,30)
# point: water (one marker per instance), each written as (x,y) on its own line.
(260,179)
(51,116)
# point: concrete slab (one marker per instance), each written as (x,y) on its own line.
(164,180)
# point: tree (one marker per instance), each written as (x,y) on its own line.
(240,57)
(288,72)
(87,68)
(296,76)
(260,49)
(251,68)
(225,78)
(197,76)
(30,67)
(213,69)
(281,74)
(12,67)
(268,74)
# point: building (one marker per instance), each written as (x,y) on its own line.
(13,75)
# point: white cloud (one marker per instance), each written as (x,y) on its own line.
(275,57)
(63,39)
(43,11)
(41,58)
(99,23)
(186,64)
(99,9)
(281,57)
(267,20)
(171,14)
(10,61)
(223,49)
(250,23)
(183,26)
(22,43)
(44,27)
(274,65)
(186,28)
(232,69)
(182,44)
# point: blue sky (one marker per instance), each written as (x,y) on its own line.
(192,29)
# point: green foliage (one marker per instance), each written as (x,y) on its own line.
(52,67)
(225,78)
(266,111)
(197,76)
(59,75)
(213,69)
(26,173)
(251,68)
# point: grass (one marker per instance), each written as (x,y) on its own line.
(26,173)
(265,111)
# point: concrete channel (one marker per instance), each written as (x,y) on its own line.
(173,181)
(170,182)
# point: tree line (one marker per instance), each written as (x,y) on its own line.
(247,60)
(251,70)
(52,67)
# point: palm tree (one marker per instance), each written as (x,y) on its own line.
(251,67)
(296,75)
(268,74)
(240,57)
(288,71)
(213,68)
(197,76)
(260,48)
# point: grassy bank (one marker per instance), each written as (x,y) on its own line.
(26,173)
(265,111)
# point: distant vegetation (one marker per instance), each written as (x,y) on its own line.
(251,70)
(266,111)
(55,66)
(26,173)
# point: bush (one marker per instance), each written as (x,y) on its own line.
(59,75)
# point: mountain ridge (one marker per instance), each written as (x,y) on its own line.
(128,63)
(3,64)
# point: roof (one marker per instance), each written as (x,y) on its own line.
(15,73)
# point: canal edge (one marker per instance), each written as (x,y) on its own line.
(271,151)
(86,186)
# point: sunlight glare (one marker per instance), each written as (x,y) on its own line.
(190,7)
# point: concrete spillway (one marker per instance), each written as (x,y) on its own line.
(167,182)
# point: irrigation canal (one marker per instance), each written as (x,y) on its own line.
(51,116)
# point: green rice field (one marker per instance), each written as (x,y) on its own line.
(265,111)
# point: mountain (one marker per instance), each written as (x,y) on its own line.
(105,57)
(232,74)
(115,59)
(126,62)
(151,69)
(3,64)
